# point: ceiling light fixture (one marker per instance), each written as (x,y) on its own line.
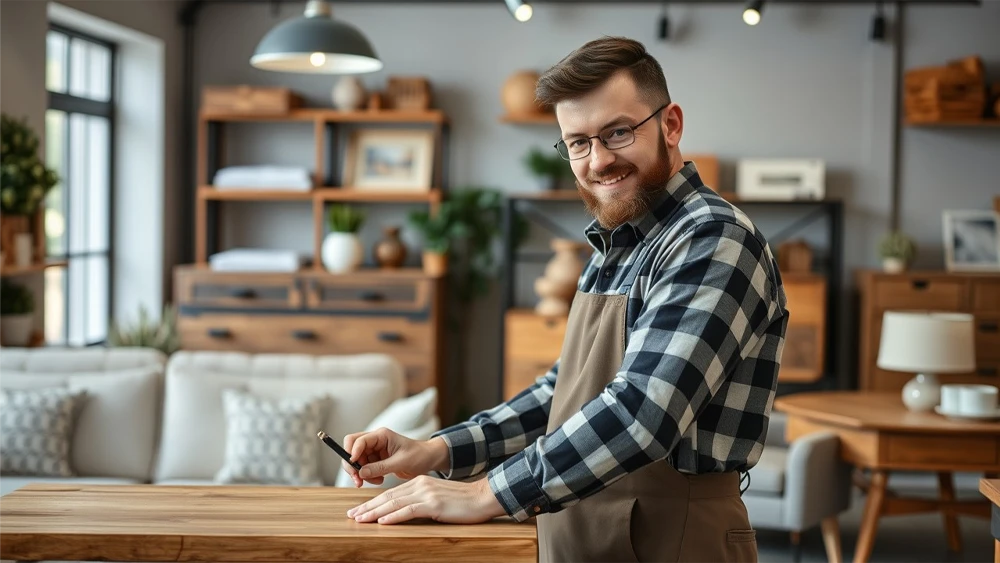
(751,14)
(315,43)
(878,24)
(520,9)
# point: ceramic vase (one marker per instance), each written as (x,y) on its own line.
(922,393)
(341,252)
(893,265)
(15,330)
(390,252)
(349,94)
(22,249)
(557,286)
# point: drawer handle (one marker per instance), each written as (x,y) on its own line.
(219,332)
(988,327)
(390,337)
(242,293)
(987,372)
(920,284)
(371,296)
(303,334)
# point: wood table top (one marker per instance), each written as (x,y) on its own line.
(990,489)
(876,411)
(234,523)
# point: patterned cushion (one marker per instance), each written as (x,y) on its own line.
(271,441)
(36,428)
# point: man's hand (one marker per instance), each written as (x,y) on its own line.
(453,502)
(383,452)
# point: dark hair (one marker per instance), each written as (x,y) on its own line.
(593,64)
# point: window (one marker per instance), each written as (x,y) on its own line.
(79,138)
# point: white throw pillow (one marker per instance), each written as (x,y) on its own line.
(407,413)
(271,441)
(36,429)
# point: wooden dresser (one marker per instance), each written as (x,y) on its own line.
(976,293)
(398,312)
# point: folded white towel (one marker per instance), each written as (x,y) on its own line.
(257,260)
(271,177)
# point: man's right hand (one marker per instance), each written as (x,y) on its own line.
(383,452)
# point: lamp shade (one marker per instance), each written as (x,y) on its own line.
(316,44)
(927,342)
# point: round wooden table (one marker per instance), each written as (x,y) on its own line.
(878,433)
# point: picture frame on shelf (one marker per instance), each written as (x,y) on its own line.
(971,240)
(389,159)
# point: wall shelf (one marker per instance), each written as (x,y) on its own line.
(253,194)
(375,195)
(530,119)
(10,271)
(954,123)
(326,115)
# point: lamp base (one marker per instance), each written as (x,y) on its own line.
(922,393)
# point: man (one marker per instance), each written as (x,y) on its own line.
(632,445)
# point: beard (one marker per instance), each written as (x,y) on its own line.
(626,207)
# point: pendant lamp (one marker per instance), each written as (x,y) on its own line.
(316,44)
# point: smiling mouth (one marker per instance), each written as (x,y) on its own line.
(612,182)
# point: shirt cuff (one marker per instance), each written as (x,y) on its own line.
(467,448)
(515,487)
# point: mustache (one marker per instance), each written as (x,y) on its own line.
(610,173)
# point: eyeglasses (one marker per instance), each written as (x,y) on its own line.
(613,138)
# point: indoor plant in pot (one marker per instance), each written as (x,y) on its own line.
(148,333)
(342,250)
(437,230)
(896,250)
(24,183)
(17,304)
(548,169)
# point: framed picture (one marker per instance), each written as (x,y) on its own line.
(389,159)
(971,240)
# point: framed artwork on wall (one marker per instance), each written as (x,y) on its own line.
(971,240)
(389,159)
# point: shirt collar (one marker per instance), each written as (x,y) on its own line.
(665,202)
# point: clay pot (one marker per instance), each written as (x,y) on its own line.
(557,286)
(518,95)
(435,264)
(390,252)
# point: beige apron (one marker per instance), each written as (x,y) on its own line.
(656,513)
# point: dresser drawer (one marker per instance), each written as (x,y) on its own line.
(987,333)
(361,293)
(986,296)
(521,374)
(418,370)
(919,293)
(205,288)
(986,374)
(306,334)
(533,337)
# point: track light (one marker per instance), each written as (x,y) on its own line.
(664,24)
(520,9)
(751,14)
(878,24)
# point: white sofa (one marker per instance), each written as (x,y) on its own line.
(146,420)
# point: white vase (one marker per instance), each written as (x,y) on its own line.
(348,94)
(22,249)
(922,393)
(15,330)
(893,265)
(341,252)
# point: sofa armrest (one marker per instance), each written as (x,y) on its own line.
(777,424)
(817,481)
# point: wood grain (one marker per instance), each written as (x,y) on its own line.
(234,523)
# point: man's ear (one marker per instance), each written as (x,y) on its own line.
(672,124)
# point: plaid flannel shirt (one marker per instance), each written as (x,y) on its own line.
(705,321)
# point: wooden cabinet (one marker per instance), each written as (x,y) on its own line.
(976,293)
(396,313)
(532,344)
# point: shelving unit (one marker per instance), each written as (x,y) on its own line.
(12,271)
(530,119)
(520,357)
(954,123)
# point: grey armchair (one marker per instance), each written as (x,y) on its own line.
(797,486)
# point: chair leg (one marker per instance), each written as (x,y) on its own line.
(796,541)
(831,538)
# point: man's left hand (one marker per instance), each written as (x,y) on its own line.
(453,502)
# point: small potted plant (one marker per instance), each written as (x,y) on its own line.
(17,304)
(342,251)
(548,169)
(896,250)
(438,230)
(24,183)
(148,333)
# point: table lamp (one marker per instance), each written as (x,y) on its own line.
(926,343)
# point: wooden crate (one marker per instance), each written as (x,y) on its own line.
(244,100)
(954,91)
(11,225)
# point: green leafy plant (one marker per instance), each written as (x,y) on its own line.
(440,229)
(159,334)
(897,245)
(344,219)
(24,179)
(550,166)
(15,299)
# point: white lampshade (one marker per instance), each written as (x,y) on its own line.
(927,342)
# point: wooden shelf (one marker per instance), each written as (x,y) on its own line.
(954,123)
(733,198)
(530,119)
(253,194)
(377,195)
(554,195)
(316,271)
(432,116)
(8,271)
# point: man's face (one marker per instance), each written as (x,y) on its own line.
(616,185)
